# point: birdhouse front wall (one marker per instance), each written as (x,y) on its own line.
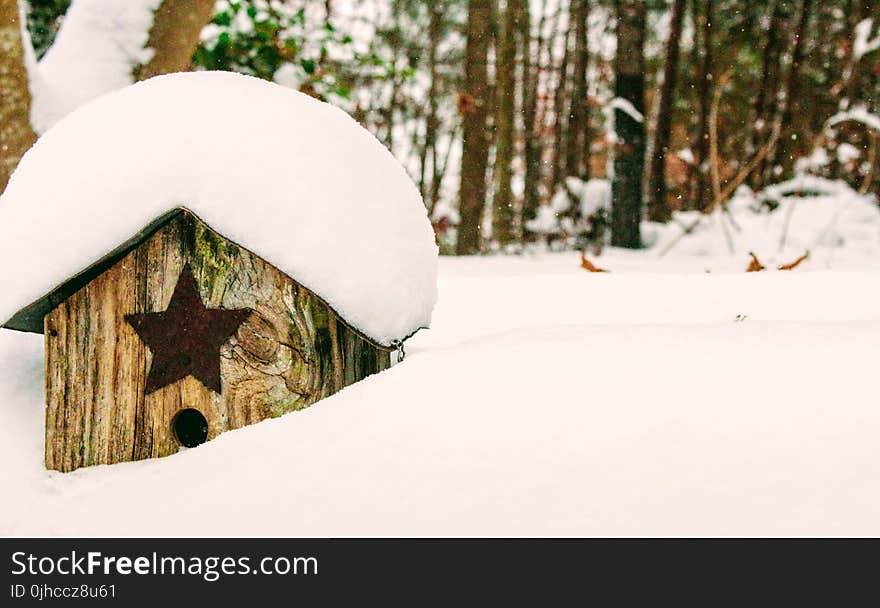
(290,351)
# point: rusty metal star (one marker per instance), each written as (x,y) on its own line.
(186,338)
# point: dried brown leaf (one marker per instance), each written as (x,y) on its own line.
(586,264)
(755,265)
(794,264)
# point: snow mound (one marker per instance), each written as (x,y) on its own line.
(805,186)
(780,223)
(296,181)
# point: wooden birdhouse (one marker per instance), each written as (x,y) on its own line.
(195,272)
(180,335)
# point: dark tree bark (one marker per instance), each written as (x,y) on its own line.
(16,133)
(390,111)
(473,103)
(768,87)
(560,124)
(629,152)
(174,36)
(546,62)
(790,103)
(436,11)
(532,148)
(503,230)
(703,19)
(658,209)
(577,158)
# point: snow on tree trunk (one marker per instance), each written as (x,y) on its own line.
(104,45)
(16,134)
(100,47)
(629,151)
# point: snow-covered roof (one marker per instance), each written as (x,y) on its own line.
(294,180)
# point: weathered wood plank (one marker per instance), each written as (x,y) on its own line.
(291,352)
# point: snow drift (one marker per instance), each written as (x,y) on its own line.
(629,404)
(779,223)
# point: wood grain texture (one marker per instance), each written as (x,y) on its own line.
(291,352)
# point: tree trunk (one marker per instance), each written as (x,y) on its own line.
(790,105)
(629,153)
(577,158)
(546,70)
(532,148)
(703,21)
(431,126)
(853,75)
(440,165)
(473,104)
(505,68)
(560,124)
(767,89)
(174,36)
(658,209)
(16,133)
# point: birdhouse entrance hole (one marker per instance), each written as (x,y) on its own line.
(190,427)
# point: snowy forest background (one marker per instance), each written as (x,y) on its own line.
(568,124)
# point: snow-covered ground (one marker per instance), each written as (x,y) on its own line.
(545,400)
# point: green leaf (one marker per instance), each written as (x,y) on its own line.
(224,19)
